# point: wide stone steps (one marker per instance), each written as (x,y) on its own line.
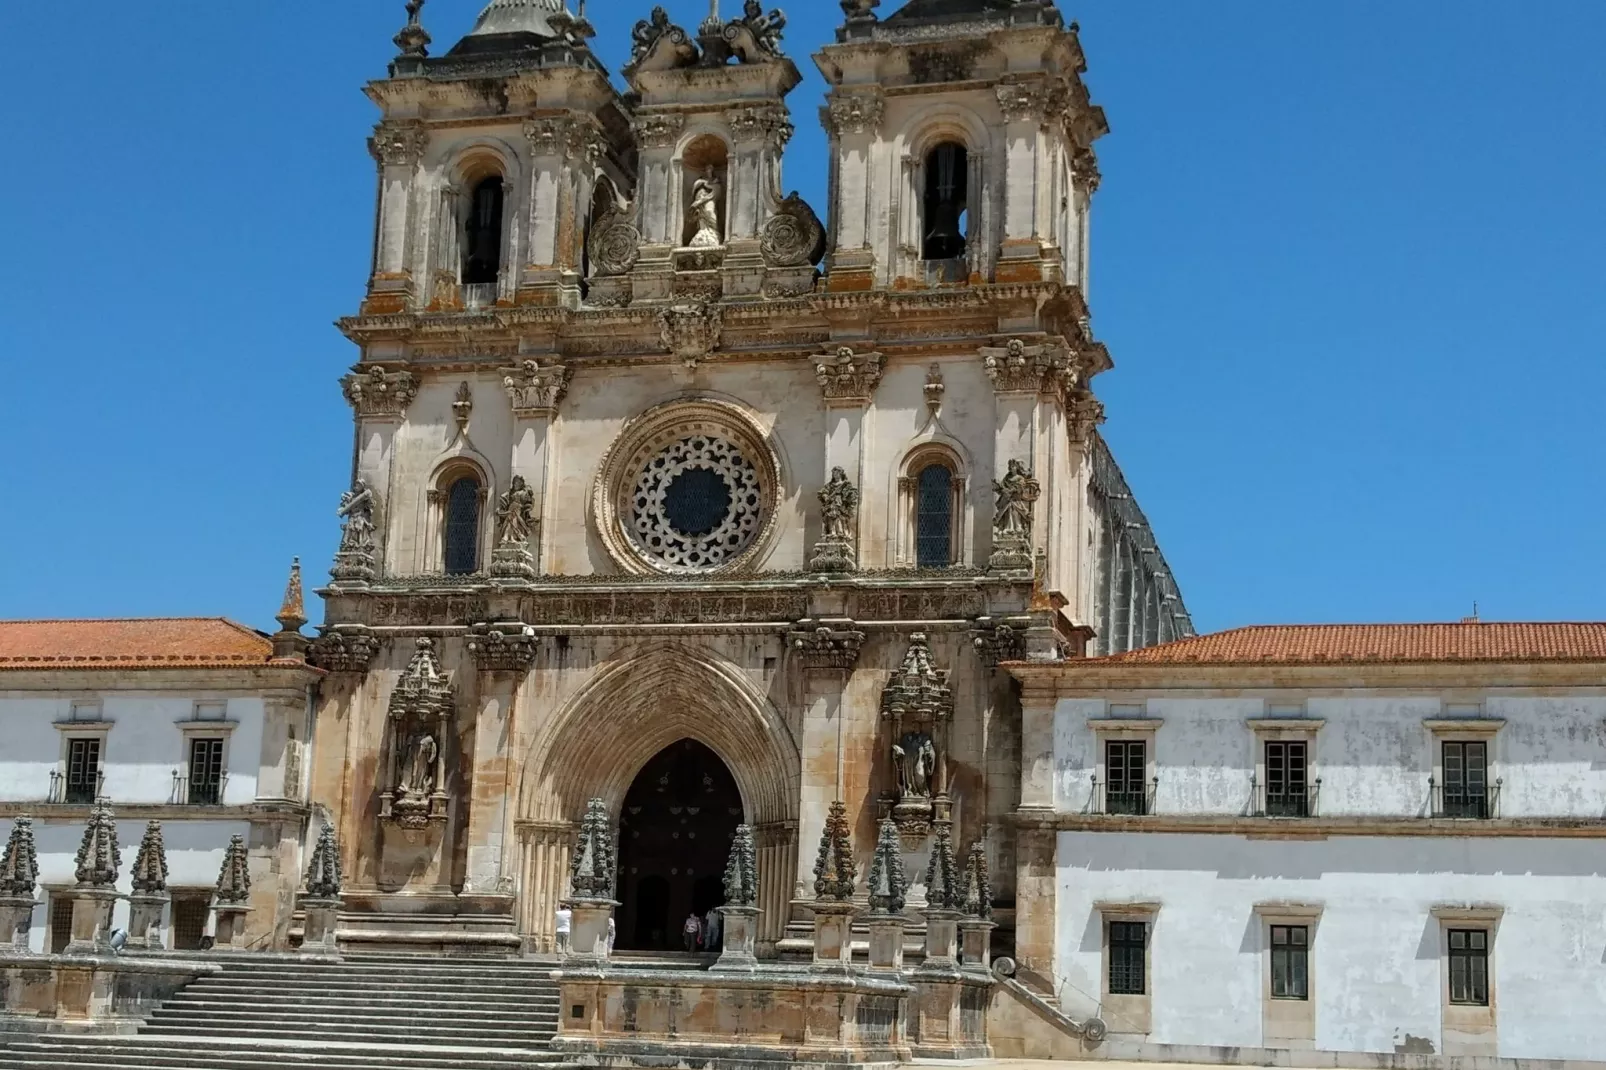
(379,1000)
(139,1053)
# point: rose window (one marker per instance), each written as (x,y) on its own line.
(696,504)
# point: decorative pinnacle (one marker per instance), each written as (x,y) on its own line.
(293,612)
(323,871)
(834,869)
(150,865)
(19,866)
(978,892)
(414,40)
(943,891)
(888,887)
(97,858)
(741,872)
(592,872)
(234,879)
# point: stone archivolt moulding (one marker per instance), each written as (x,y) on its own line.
(686,434)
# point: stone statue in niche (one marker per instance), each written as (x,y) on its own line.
(419,779)
(916,757)
(421,706)
(357,512)
(515,514)
(706,193)
(838,500)
(1017,492)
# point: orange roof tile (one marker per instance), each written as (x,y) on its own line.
(156,643)
(1317,644)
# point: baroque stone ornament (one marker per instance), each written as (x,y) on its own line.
(344,651)
(413,41)
(419,713)
(977,897)
(515,520)
(507,647)
(934,390)
(834,868)
(19,865)
(378,393)
(825,647)
(741,871)
(918,703)
(794,235)
(398,143)
(658,44)
(997,642)
(690,330)
(288,643)
(150,865)
(234,878)
(848,376)
(355,560)
(535,389)
(839,504)
(1015,496)
(852,113)
(463,407)
(944,890)
(592,871)
(707,194)
(95,865)
(755,37)
(324,876)
(918,691)
(658,130)
(888,886)
(916,758)
(1017,368)
(615,244)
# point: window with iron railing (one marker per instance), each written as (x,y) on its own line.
(206,772)
(1287,789)
(1465,790)
(81,784)
(1126,789)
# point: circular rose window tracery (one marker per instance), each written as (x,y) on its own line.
(690,487)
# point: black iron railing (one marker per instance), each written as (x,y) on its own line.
(1131,801)
(1290,800)
(1478,802)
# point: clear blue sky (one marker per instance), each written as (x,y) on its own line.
(1347,256)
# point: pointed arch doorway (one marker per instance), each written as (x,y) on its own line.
(674,835)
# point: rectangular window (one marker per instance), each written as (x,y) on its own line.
(83,770)
(206,772)
(1286,794)
(1128,944)
(1125,790)
(1466,779)
(1469,967)
(189,919)
(1290,962)
(60,921)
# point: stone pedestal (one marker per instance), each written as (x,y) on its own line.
(588,941)
(740,930)
(145,914)
(229,935)
(886,941)
(16,918)
(91,920)
(833,935)
(322,919)
(942,939)
(975,944)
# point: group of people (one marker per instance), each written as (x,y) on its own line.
(702,933)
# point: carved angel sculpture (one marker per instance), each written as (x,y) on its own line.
(357,511)
(515,514)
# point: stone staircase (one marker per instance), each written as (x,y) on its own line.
(370,1012)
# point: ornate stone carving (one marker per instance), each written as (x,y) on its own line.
(463,407)
(515,520)
(690,330)
(1086,413)
(755,37)
(918,691)
(657,43)
(741,871)
(916,758)
(19,866)
(707,194)
(888,887)
(1017,368)
(292,615)
(419,712)
(615,243)
(853,113)
(839,504)
(997,642)
(825,647)
(1085,169)
(793,236)
(917,701)
(571,139)
(413,41)
(355,560)
(1015,495)
(343,651)
(150,865)
(507,647)
(324,876)
(944,889)
(1020,102)
(95,865)
(848,376)
(398,143)
(535,389)
(760,123)
(234,878)
(834,870)
(592,872)
(376,392)
(657,130)
(977,892)
(934,390)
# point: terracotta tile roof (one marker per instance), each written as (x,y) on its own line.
(1316,644)
(156,643)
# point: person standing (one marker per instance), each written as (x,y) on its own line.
(692,932)
(565,924)
(713,929)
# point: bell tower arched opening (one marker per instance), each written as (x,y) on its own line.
(675,833)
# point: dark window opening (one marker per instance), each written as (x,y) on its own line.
(1466,780)
(1128,941)
(189,920)
(1286,780)
(83,770)
(1125,790)
(697,501)
(462,554)
(934,517)
(482,235)
(60,922)
(1290,962)
(1469,966)
(206,772)
(947,178)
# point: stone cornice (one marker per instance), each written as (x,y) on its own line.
(1314,828)
(281,679)
(1095,677)
(266,810)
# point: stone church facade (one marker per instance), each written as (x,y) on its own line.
(672,491)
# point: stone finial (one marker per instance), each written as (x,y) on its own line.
(414,40)
(19,866)
(463,406)
(977,892)
(591,874)
(323,871)
(943,889)
(834,870)
(97,858)
(234,879)
(293,610)
(741,872)
(150,865)
(888,887)
(919,690)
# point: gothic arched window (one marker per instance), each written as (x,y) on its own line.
(942,231)
(482,233)
(934,516)
(462,522)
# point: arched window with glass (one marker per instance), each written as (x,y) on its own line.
(461,527)
(934,516)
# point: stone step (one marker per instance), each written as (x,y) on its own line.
(414,1032)
(547,1004)
(409,979)
(286,984)
(117,1053)
(226,1012)
(394,969)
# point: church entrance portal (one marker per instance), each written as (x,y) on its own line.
(674,838)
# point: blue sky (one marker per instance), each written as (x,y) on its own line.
(1347,257)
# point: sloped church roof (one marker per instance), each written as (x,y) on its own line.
(517,16)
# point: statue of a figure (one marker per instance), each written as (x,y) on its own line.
(838,500)
(916,756)
(1016,492)
(515,514)
(357,510)
(419,778)
(706,193)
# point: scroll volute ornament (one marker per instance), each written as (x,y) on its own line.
(420,712)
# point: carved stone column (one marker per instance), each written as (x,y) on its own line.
(853,121)
(503,652)
(535,389)
(1021,374)
(1025,106)
(396,146)
(848,382)
(563,156)
(379,399)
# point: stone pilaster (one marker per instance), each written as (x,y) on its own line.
(535,389)
(503,653)
(848,381)
(396,146)
(826,652)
